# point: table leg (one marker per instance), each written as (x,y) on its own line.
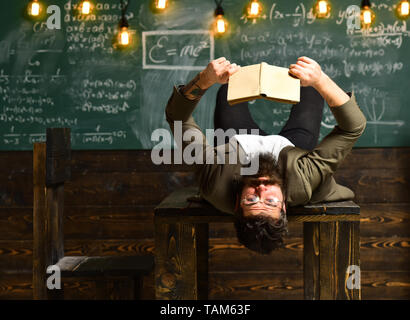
(329,249)
(181,261)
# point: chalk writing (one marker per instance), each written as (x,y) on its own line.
(102,137)
(177,49)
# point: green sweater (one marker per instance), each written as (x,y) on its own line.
(308,174)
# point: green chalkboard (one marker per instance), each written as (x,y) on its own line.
(113,99)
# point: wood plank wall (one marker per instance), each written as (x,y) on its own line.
(109,211)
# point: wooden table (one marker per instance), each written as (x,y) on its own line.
(330,246)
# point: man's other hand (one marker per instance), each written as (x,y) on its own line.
(217,71)
(308,71)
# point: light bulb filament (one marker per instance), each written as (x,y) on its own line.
(404,9)
(86,7)
(35,8)
(220,25)
(124,37)
(322,7)
(161,4)
(254,8)
(367,17)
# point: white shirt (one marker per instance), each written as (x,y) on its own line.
(255,144)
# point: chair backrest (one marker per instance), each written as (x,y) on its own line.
(51,168)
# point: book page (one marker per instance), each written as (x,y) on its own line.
(277,84)
(244,84)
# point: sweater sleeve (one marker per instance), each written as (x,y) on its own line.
(323,161)
(188,135)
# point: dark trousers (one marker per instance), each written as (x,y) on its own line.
(302,127)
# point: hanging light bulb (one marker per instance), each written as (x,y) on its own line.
(322,9)
(161,4)
(220,23)
(34,8)
(402,9)
(367,15)
(123,34)
(85,7)
(124,37)
(254,9)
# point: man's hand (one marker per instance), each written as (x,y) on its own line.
(308,71)
(310,74)
(217,71)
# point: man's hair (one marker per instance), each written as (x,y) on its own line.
(261,233)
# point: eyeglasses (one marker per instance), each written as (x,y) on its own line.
(252,199)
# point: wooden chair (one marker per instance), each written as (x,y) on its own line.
(51,168)
(331,245)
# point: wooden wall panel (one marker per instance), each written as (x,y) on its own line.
(19,287)
(285,285)
(125,222)
(376,185)
(118,188)
(109,210)
(118,178)
(94,188)
(388,254)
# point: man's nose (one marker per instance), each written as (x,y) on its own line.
(261,187)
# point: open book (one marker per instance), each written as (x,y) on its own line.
(263,81)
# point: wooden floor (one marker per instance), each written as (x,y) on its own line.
(109,211)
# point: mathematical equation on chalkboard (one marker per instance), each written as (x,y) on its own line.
(177,49)
(15,139)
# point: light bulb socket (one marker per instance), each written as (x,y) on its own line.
(219,11)
(123,23)
(365,3)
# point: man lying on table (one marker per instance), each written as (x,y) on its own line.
(293,168)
